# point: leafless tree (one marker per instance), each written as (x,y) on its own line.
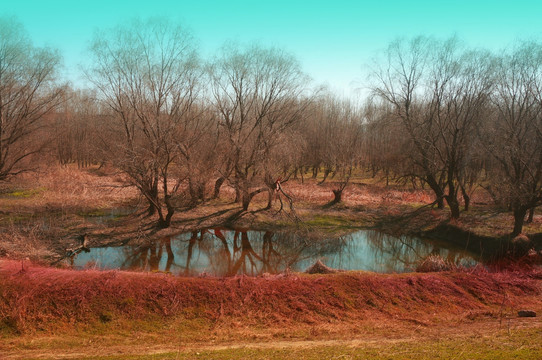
(198,142)
(28,92)
(385,148)
(438,90)
(77,132)
(258,94)
(513,137)
(147,73)
(341,134)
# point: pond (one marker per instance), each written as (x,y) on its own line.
(224,252)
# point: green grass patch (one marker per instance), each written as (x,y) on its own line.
(25,193)
(16,218)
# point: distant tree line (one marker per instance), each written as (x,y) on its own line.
(441,116)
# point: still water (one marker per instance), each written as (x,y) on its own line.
(224,252)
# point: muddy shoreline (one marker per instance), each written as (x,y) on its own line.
(44,218)
(137,229)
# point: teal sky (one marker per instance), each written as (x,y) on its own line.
(332,39)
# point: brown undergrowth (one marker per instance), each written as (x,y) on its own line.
(66,189)
(35,298)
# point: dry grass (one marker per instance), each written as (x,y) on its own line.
(66,188)
(40,211)
(434,263)
(355,194)
(31,241)
(46,298)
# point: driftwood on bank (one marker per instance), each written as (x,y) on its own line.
(71,252)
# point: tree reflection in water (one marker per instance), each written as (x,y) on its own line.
(229,252)
(224,252)
(149,256)
(400,254)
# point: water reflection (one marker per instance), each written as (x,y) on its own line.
(225,252)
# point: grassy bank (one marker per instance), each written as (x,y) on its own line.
(53,311)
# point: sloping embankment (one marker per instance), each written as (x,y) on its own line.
(48,298)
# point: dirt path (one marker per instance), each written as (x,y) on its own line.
(78,348)
(148,349)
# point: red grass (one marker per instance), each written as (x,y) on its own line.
(44,298)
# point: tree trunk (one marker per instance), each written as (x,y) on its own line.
(237,195)
(326,174)
(246,197)
(519,218)
(153,194)
(454,206)
(531,216)
(270,193)
(218,185)
(151,210)
(466,198)
(201,192)
(433,184)
(165,221)
(338,193)
(451,198)
(245,200)
(197,190)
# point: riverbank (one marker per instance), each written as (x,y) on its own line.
(45,213)
(49,312)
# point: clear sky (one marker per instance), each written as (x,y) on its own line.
(333,39)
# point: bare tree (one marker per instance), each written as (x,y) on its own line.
(147,73)
(28,91)
(438,91)
(258,94)
(514,136)
(198,142)
(341,133)
(77,130)
(386,150)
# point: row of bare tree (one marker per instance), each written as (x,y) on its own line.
(458,118)
(441,115)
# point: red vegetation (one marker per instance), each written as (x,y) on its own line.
(46,298)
